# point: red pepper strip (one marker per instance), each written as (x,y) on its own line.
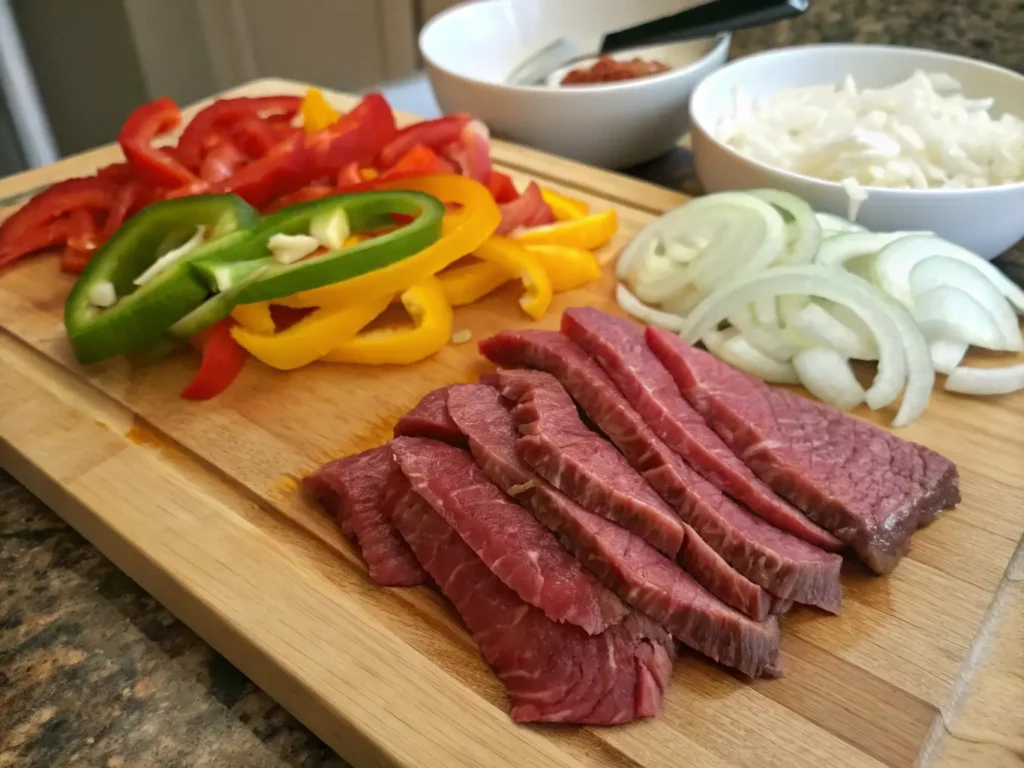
(83,240)
(127,199)
(222,162)
(223,114)
(502,188)
(19,230)
(357,137)
(223,359)
(142,126)
(279,172)
(528,210)
(421,161)
(46,235)
(254,136)
(471,151)
(349,175)
(116,173)
(429,133)
(313,191)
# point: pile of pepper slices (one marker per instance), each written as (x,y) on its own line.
(173,247)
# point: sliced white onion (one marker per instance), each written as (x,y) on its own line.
(902,348)
(803,232)
(827,375)
(986,381)
(833,225)
(731,231)
(949,313)
(768,341)
(895,262)
(730,346)
(942,271)
(631,305)
(821,326)
(837,251)
(946,355)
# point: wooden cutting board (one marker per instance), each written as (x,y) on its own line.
(197,502)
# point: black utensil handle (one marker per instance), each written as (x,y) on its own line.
(704,21)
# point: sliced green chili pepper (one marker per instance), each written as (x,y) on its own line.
(138,316)
(364,211)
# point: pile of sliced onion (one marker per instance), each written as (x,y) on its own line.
(793,296)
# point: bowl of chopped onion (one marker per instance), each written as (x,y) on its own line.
(894,138)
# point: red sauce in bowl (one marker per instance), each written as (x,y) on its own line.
(608,70)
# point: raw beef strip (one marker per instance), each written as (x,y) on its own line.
(786,566)
(506,537)
(862,483)
(553,672)
(361,491)
(618,345)
(429,418)
(625,563)
(589,470)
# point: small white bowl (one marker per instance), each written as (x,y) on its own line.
(986,220)
(471,48)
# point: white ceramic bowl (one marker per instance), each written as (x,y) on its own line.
(988,220)
(470,49)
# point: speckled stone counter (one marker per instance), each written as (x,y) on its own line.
(93,672)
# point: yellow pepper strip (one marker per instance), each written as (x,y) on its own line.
(254,317)
(564,208)
(433,320)
(465,284)
(588,233)
(514,258)
(312,337)
(461,233)
(317,114)
(567,267)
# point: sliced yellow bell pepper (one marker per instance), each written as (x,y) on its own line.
(514,258)
(588,233)
(312,337)
(564,208)
(433,321)
(567,267)
(462,232)
(317,114)
(254,317)
(465,284)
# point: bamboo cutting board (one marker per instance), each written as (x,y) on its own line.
(197,502)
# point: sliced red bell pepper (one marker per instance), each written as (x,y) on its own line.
(83,240)
(471,151)
(223,359)
(279,172)
(222,161)
(92,193)
(501,186)
(420,161)
(357,137)
(349,175)
(136,136)
(313,191)
(254,136)
(127,199)
(429,133)
(528,210)
(47,235)
(117,173)
(221,115)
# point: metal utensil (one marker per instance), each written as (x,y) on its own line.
(700,21)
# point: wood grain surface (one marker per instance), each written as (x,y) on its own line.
(197,502)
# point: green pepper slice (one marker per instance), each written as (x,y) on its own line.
(143,313)
(365,211)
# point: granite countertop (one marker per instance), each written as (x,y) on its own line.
(94,672)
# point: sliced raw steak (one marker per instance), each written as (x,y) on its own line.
(787,567)
(361,491)
(506,537)
(625,563)
(553,672)
(429,418)
(618,345)
(862,483)
(589,470)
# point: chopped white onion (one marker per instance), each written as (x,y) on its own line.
(943,271)
(803,232)
(331,228)
(949,313)
(986,381)
(837,252)
(827,375)
(946,355)
(768,341)
(733,348)
(633,306)
(102,294)
(821,326)
(288,249)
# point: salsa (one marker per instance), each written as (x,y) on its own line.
(607,70)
